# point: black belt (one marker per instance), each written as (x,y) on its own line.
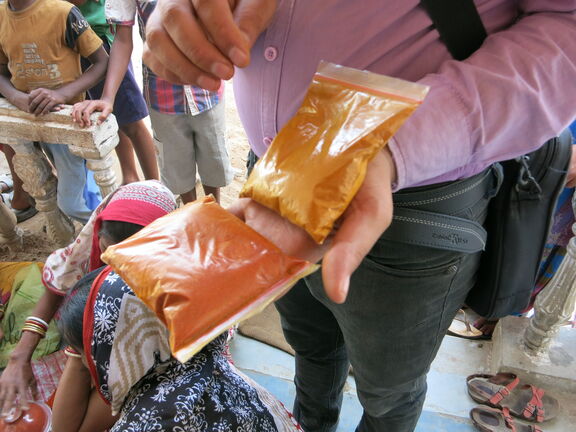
(423,216)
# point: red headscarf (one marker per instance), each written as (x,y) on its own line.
(137,203)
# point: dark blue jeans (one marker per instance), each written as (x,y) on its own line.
(401,301)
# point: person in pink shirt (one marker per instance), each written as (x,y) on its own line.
(380,304)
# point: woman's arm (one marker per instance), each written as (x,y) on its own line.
(17,378)
(77,406)
(72,397)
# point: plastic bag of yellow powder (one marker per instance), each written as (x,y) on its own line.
(318,161)
(201,270)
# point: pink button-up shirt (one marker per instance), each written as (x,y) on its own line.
(515,92)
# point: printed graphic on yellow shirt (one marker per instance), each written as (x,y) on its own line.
(42,44)
(35,69)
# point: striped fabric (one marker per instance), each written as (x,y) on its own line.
(160,94)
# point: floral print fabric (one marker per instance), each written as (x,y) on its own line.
(204,394)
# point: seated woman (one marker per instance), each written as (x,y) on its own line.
(120,346)
(121,214)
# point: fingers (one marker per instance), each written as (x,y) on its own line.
(43,101)
(217,21)
(85,116)
(82,111)
(22,392)
(200,41)
(8,397)
(77,112)
(49,107)
(252,18)
(35,98)
(178,49)
(238,208)
(40,104)
(34,390)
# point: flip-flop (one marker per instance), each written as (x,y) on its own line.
(461,327)
(493,420)
(21,215)
(6,183)
(504,390)
(24,215)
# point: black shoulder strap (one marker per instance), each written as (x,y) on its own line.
(459,25)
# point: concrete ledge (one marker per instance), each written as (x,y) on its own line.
(555,369)
(57,128)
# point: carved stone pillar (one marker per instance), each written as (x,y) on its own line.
(10,235)
(555,305)
(103,168)
(38,180)
(104,174)
(94,143)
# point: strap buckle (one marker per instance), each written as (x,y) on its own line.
(526,181)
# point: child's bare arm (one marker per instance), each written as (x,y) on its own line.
(42,101)
(15,97)
(117,66)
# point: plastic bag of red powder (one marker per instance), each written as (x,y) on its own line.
(201,270)
(318,161)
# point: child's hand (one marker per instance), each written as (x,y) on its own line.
(42,101)
(82,110)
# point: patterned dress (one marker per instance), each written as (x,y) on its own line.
(204,394)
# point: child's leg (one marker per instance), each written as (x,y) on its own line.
(212,157)
(215,191)
(144,147)
(175,141)
(71,181)
(130,109)
(20,199)
(125,154)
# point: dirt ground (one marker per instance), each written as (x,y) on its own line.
(36,244)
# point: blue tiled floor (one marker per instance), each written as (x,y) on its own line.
(447,404)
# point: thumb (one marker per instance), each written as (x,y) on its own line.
(354,239)
(253,16)
(367,217)
(238,208)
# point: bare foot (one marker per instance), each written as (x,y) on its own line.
(486,326)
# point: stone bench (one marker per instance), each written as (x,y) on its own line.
(95,144)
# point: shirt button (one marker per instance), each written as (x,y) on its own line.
(270,53)
(267,141)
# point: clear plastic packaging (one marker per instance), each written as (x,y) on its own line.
(201,270)
(318,161)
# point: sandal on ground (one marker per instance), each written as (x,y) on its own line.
(486,326)
(21,215)
(493,420)
(504,390)
(6,183)
(461,327)
(24,215)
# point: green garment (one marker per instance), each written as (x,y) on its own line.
(93,11)
(27,289)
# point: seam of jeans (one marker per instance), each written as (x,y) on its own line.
(439,334)
(334,396)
